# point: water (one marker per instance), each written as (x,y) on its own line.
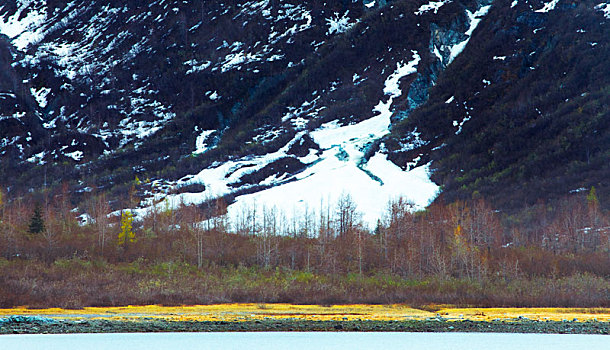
(304,340)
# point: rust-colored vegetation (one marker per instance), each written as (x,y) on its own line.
(464,253)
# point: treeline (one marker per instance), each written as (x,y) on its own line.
(461,253)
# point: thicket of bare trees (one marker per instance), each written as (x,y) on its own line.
(462,240)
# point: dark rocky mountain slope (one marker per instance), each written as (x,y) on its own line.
(507,100)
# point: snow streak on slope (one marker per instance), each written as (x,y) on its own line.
(341,169)
(475,18)
(201,144)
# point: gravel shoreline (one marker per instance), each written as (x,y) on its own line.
(39,325)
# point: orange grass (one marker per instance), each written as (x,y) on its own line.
(248,312)
(538,314)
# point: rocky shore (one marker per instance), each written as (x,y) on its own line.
(43,325)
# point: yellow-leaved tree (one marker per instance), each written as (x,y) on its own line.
(126,234)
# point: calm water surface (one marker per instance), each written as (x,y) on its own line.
(304,340)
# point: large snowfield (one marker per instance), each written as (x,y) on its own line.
(340,170)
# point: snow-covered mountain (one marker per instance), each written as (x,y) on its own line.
(297,104)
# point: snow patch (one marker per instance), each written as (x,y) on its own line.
(432,5)
(213,95)
(475,18)
(549,6)
(25,29)
(76,155)
(37,158)
(297,14)
(200,144)
(196,66)
(41,95)
(16,115)
(236,60)
(4,95)
(140,129)
(338,24)
(299,117)
(391,85)
(605,8)
(85,219)
(467,118)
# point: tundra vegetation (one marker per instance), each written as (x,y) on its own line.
(463,253)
